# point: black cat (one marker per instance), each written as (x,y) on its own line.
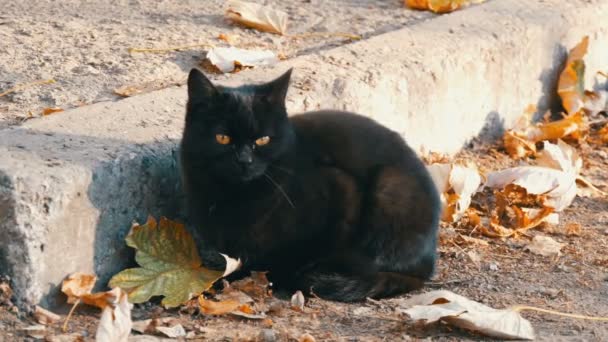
(327,201)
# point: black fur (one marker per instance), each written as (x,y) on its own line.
(334,202)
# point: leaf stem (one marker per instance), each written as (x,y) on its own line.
(67,319)
(519,308)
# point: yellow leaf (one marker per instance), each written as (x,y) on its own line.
(439,6)
(170,265)
(256,16)
(571,84)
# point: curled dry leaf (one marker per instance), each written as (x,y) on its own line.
(545,246)
(554,178)
(456,184)
(439,6)
(262,18)
(115,324)
(467,314)
(520,141)
(557,187)
(78,285)
(170,265)
(571,84)
(227,59)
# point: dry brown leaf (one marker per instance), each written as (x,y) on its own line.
(262,18)
(573,229)
(228,59)
(255,286)
(573,126)
(51,110)
(456,184)
(231,39)
(77,285)
(467,314)
(5,293)
(44,316)
(439,6)
(210,307)
(545,246)
(297,301)
(571,84)
(115,323)
(595,102)
(307,338)
(175,331)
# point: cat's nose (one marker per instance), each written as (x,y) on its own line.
(244,156)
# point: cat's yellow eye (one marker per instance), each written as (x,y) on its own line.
(262,141)
(222,139)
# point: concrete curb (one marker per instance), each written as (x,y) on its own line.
(70,184)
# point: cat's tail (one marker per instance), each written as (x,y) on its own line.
(358,287)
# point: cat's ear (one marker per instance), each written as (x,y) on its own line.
(276,90)
(200,89)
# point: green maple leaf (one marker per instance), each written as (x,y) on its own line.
(170,265)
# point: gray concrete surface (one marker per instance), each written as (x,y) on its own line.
(71,183)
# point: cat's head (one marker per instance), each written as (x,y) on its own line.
(236,133)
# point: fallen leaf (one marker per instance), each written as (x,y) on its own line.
(37,331)
(595,102)
(560,156)
(571,84)
(115,324)
(77,285)
(467,314)
(231,39)
(307,338)
(244,314)
(439,6)
(210,307)
(557,186)
(5,293)
(175,331)
(255,286)
(44,316)
(573,229)
(51,110)
(170,265)
(297,301)
(545,246)
(456,184)
(259,17)
(520,142)
(227,59)
(74,337)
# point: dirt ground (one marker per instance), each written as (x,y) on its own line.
(504,275)
(83,45)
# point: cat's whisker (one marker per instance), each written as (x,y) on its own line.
(280,189)
(286,170)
